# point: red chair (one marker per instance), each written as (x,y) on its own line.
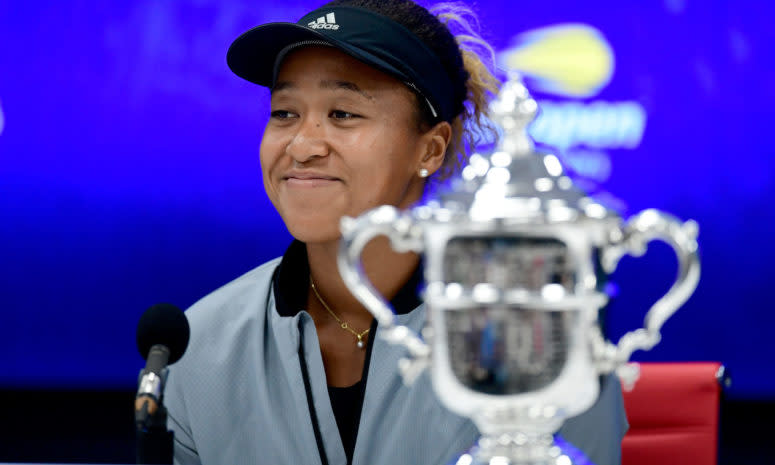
(673,412)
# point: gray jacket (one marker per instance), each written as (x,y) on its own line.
(238,394)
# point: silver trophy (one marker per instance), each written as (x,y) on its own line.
(514,255)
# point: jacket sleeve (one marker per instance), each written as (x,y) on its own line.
(598,432)
(185,452)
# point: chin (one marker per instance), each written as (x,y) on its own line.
(314,231)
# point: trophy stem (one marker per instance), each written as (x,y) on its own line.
(515,449)
(509,438)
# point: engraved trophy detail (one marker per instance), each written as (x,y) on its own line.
(514,253)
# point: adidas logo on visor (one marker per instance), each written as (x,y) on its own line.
(324,22)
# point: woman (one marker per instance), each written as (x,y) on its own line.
(369,100)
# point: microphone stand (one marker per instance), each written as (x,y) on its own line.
(154,440)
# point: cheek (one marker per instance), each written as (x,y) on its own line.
(383,169)
(389,144)
(270,150)
(265,162)
(267,147)
(270,153)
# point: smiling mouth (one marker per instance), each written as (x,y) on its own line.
(310,180)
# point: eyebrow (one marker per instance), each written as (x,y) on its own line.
(346,85)
(327,84)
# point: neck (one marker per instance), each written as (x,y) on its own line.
(386,269)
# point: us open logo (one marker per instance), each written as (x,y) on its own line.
(575,62)
(324,22)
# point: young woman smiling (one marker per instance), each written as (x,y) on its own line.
(370,100)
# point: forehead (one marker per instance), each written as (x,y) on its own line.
(322,66)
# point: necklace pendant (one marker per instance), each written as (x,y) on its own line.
(359,344)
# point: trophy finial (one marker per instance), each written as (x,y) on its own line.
(513,111)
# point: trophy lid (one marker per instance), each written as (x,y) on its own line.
(516,183)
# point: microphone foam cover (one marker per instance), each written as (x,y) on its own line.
(163,324)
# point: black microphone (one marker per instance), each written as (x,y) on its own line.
(162,337)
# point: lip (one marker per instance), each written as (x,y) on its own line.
(309,179)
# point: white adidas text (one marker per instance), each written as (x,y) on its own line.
(324,22)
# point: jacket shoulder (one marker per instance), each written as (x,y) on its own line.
(240,299)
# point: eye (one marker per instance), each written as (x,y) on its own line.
(342,115)
(282,114)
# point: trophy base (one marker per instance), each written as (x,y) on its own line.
(521,449)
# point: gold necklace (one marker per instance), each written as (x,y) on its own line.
(342,324)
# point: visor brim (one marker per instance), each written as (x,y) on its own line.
(253,55)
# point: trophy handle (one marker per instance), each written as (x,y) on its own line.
(633,239)
(405,236)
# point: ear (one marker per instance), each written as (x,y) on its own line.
(435,142)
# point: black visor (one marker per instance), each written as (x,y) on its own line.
(366,36)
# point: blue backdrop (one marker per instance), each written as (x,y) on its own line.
(129,165)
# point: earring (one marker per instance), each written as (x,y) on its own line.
(423,173)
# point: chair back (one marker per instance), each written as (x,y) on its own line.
(673,412)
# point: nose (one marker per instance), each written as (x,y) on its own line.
(308,141)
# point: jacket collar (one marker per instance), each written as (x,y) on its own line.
(291,282)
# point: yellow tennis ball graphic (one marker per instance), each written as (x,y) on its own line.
(574,60)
